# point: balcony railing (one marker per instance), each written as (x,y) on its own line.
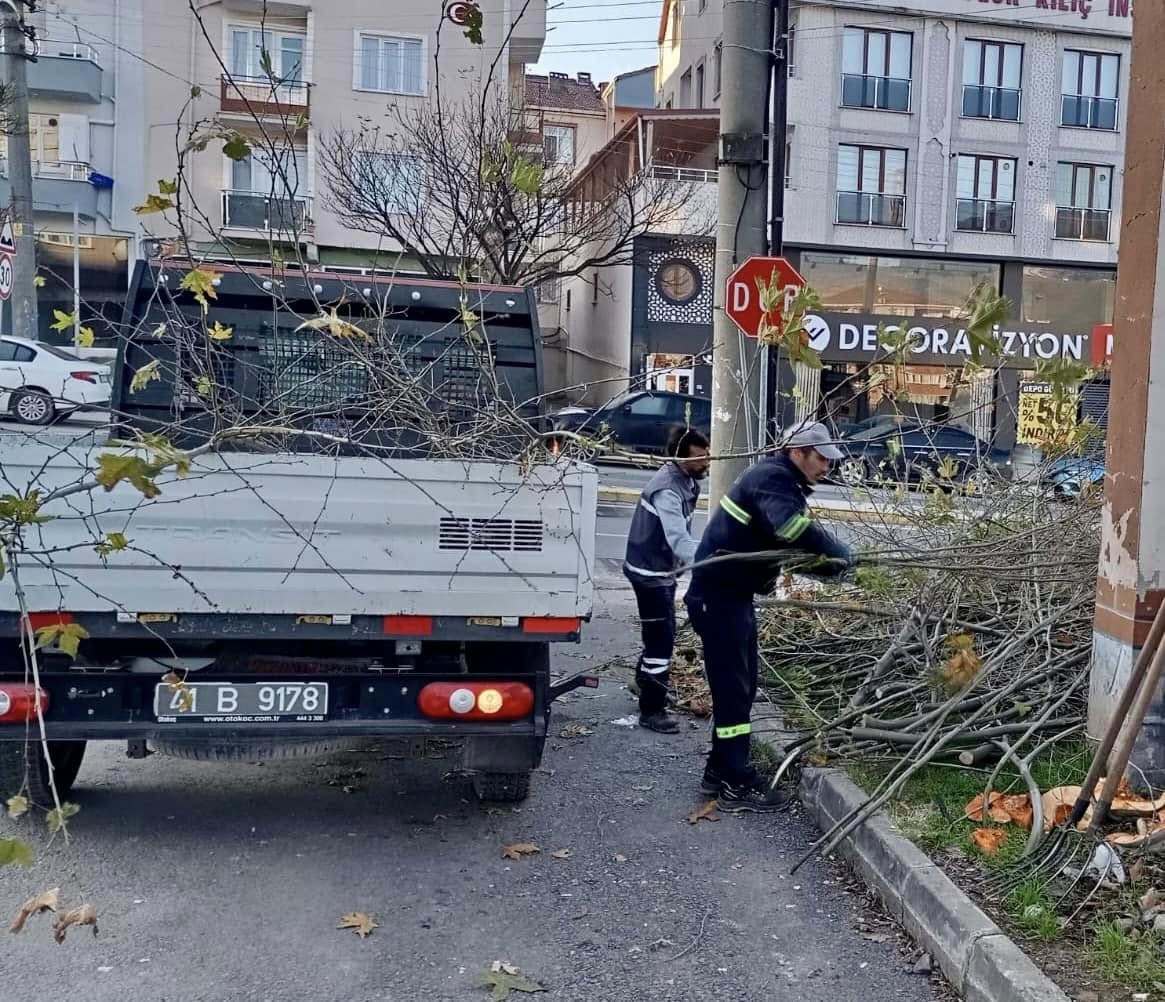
(864,208)
(263,96)
(984,215)
(1001,103)
(1079,112)
(666,172)
(53,170)
(1082,224)
(254,210)
(858,90)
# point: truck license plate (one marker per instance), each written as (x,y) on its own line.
(242,702)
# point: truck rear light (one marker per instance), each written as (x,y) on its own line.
(411,626)
(18,702)
(551,624)
(476,700)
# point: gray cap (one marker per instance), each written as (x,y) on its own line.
(814,436)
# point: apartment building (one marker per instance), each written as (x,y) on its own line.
(87,135)
(932,147)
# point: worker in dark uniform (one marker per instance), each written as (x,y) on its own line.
(659,541)
(765,510)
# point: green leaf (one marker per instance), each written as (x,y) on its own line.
(526,177)
(202,386)
(85,337)
(17,510)
(14,850)
(167,187)
(236,147)
(39,281)
(113,469)
(17,806)
(200,283)
(220,333)
(146,375)
(154,203)
(473,24)
(113,542)
(63,321)
(67,636)
(195,91)
(58,818)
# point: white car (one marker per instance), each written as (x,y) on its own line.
(40,381)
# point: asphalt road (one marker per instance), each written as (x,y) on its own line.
(226,882)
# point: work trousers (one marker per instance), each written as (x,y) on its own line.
(657,618)
(727,627)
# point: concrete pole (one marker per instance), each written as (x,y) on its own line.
(20,212)
(1131,578)
(741,229)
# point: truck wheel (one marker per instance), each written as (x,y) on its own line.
(502,787)
(23,768)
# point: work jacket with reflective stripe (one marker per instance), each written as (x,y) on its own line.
(766,509)
(651,557)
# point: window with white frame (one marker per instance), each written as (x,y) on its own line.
(985,194)
(390,64)
(1089,89)
(268,189)
(992,72)
(395,181)
(558,144)
(875,69)
(1083,201)
(871,186)
(260,55)
(700,84)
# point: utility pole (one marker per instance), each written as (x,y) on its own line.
(778,170)
(17,52)
(741,226)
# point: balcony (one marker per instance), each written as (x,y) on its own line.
(56,187)
(260,96)
(67,71)
(666,172)
(1078,112)
(529,32)
(859,90)
(862,208)
(1082,224)
(1000,103)
(982,215)
(266,213)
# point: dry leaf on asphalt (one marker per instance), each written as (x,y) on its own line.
(502,979)
(363,924)
(706,812)
(82,915)
(619,858)
(562,854)
(44,902)
(988,840)
(575,731)
(519,849)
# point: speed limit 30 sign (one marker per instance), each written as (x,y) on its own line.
(5,276)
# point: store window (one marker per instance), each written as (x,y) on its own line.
(895,286)
(1068,299)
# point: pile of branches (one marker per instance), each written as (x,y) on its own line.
(965,638)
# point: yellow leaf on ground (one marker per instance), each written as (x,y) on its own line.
(44,902)
(988,840)
(361,923)
(706,812)
(83,915)
(519,849)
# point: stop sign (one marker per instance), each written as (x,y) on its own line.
(742,300)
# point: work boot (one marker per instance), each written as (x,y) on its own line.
(752,798)
(712,781)
(660,721)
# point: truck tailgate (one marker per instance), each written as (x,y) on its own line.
(283,533)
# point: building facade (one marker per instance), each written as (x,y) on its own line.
(930,150)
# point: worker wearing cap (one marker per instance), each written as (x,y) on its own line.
(658,542)
(765,510)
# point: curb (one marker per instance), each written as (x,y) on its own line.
(629,495)
(978,958)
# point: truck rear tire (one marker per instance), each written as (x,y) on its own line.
(23,769)
(502,787)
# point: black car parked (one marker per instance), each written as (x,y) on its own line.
(638,421)
(912,453)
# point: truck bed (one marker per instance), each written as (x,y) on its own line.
(282,534)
